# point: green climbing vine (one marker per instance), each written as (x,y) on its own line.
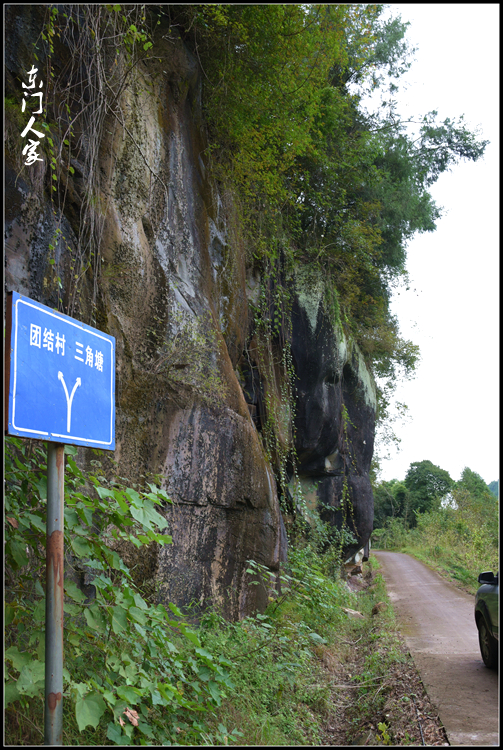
(346,499)
(89,54)
(272,356)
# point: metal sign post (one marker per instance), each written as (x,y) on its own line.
(59,387)
(53,714)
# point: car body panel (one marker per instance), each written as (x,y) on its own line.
(487,617)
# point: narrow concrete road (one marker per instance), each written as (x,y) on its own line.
(438,624)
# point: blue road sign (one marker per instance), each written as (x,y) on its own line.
(62,378)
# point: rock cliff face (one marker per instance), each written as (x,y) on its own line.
(170,281)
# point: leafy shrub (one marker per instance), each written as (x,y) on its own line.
(134,670)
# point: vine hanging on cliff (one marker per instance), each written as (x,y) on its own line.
(90,54)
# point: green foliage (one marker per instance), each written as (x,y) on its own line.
(138,673)
(391,500)
(384,737)
(392,535)
(494,487)
(281,693)
(265,67)
(345,188)
(475,485)
(133,670)
(427,485)
(459,536)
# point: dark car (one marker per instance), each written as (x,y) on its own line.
(487,619)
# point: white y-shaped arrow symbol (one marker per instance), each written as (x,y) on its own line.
(69,399)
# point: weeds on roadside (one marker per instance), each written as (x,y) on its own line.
(138,673)
(459,542)
(135,672)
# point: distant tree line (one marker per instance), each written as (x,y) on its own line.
(426,488)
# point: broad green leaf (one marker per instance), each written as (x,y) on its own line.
(85,515)
(115,734)
(81,547)
(73,591)
(121,502)
(215,692)
(119,619)
(134,497)
(148,515)
(157,492)
(205,674)
(41,486)
(9,614)
(81,688)
(140,601)
(32,678)
(127,693)
(89,709)
(145,729)
(163,539)
(104,492)
(109,697)
(192,637)
(11,693)
(36,521)
(114,559)
(157,698)
(317,638)
(39,611)
(140,630)
(95,618)
(138,615)
(17,658)
(71,518)
(204,653)
(17,550)
(167,691)
(71,609)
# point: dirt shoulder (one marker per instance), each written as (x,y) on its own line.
(377,693)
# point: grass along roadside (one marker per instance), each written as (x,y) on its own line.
(323,666)
(379,695)
(311,670)
(458,543)
(310,673)
(448,564)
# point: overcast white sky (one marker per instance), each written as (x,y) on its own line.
(452,308)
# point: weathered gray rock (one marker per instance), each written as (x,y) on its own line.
(171,284)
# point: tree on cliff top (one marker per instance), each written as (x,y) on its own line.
(322,181)
(344,188)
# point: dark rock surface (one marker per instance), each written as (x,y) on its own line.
(334,417)
(172,285)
